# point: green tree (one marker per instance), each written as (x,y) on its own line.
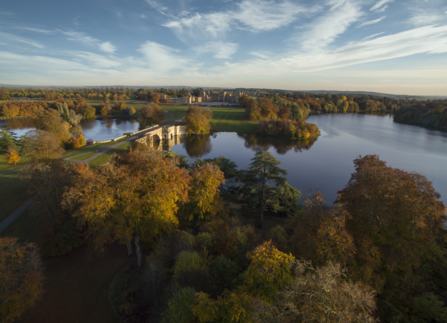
(41,145)
(197,120)
(264,176)
(8,139)
(179,307)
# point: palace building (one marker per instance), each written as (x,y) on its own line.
(206,96)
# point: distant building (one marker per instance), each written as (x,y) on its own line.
(205,96)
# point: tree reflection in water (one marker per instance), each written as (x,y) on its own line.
(281,145)
(197,145)
(19,123)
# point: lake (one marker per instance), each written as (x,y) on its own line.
(98,130)
(326,163)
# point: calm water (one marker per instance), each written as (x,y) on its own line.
(326,164)
(97,130)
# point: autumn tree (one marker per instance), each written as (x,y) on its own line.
(252,110)
(204,199)
(155,97)
(50,120)
(21,273)
(152,114)
(243,101)
(398,228)
(197,120)
(320,233)
(12,155)
(41,145)
(318,295)
(135,195)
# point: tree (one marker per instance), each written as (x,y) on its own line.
(320,233)
(135,195)
(152,114)
(197,120)
(155,97)
(12,155)
(252,110)
(204,199)
(41,145)
(243,101)
(8,139)
(21,273)
(398,228)
(51,121)
(318,295)
(262,177)
(270,270)
(68,115)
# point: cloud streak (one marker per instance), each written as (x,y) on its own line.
(371,22)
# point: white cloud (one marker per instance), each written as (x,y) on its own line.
(372,36)
(262,15)
(107,47)
(36,30)
(428,39)
(75,21)
(371,22)
(380,4)
(11,38)
(260,55)
(381,9)
(220,49)
(162,58)
(327,28)
(201,27)
(98,61)
(80,38)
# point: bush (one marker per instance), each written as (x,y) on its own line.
(224,271)
(179,307)
(205,240)
(191,270)
(279,238)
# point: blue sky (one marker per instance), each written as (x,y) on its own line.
(392,46)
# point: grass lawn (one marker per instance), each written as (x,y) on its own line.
(175,112)
(86,149)
(5,167)
(26,227)
(232,119)
(84,157)
(104,158)
(13,193)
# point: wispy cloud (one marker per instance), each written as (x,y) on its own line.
(107,47)
(36,30)
(11,38)
(427,12)
(371,22)
(89,41)
(98,61)
(260,55)
(220,49)
(75,20)
(201,27)
(428,39)
(261,15)
(380,5)
(162,58)
(375,35)
(325,29)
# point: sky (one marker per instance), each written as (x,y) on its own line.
(389,46)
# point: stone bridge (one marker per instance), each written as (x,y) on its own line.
(168,135)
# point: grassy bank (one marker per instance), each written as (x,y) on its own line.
(86,149)
(104,158)
(5,167)
(232,119)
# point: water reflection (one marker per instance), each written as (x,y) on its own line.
(281,145)
(197,146)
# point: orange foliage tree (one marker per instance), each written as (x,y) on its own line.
(133,196)
(21,273)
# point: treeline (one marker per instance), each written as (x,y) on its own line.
(431,114)
(279,121)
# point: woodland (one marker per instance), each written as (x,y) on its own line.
(211,242)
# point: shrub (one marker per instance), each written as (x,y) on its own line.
(179,307)
(279,238)
(224,271)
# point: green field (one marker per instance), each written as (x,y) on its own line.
(104,158)
(13,193)
(5,167)
(86,149)
(232,119)
(84,157)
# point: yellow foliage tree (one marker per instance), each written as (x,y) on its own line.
(13,156)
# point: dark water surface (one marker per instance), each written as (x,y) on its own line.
(326,164)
